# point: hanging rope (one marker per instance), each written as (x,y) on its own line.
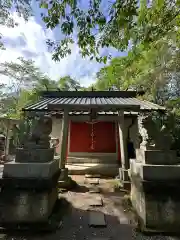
(92,135)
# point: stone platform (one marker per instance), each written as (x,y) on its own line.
(28,192)
(29,186)
(30,170)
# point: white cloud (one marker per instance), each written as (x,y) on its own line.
(28,40)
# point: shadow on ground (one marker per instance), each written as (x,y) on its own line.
(73,225)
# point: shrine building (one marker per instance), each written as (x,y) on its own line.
(96,130)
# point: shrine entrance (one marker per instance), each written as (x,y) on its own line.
(100,123)
(92,137)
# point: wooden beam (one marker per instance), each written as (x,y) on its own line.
(90,94)
(7,138)
(64,140)
(85,118)
(123,146)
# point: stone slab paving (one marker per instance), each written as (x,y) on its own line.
(75,223)
(96,201)
(93,181)
(94,189)
(96,219)
(100,239)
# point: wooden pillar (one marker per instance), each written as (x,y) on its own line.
(7,138)
(123,147)
(117,142)
(64,139)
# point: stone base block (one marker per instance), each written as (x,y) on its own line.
(155,172)
(159,210)
(34,155)
(156,157)
(26,206)
(30,170)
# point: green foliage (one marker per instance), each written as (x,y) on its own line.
(67,83)
(22,73)
(125,22)
(27,82)
(24,77)
(118,23)
(153,67)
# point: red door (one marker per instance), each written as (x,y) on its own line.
(98,137)
(105,137)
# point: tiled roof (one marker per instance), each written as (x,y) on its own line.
(42,105)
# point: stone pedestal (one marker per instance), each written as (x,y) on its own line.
(34,155)
(155,186)
(156,157)
(29,186)
(28,192)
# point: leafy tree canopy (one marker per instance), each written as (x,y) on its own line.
(101,23)
(67,83)
(125,22)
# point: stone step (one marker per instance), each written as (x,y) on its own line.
(93,159)
(92,175)
(107,170)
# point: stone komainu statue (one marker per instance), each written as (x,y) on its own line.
(152,136)
(39,134)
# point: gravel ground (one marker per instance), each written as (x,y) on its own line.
(74,224)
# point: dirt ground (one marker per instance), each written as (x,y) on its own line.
(75,217)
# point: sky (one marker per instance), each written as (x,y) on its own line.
(28,40)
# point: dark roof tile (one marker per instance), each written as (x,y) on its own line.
(42,105)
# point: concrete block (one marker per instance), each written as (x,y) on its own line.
(156,157)
(34,155)
(30,170)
